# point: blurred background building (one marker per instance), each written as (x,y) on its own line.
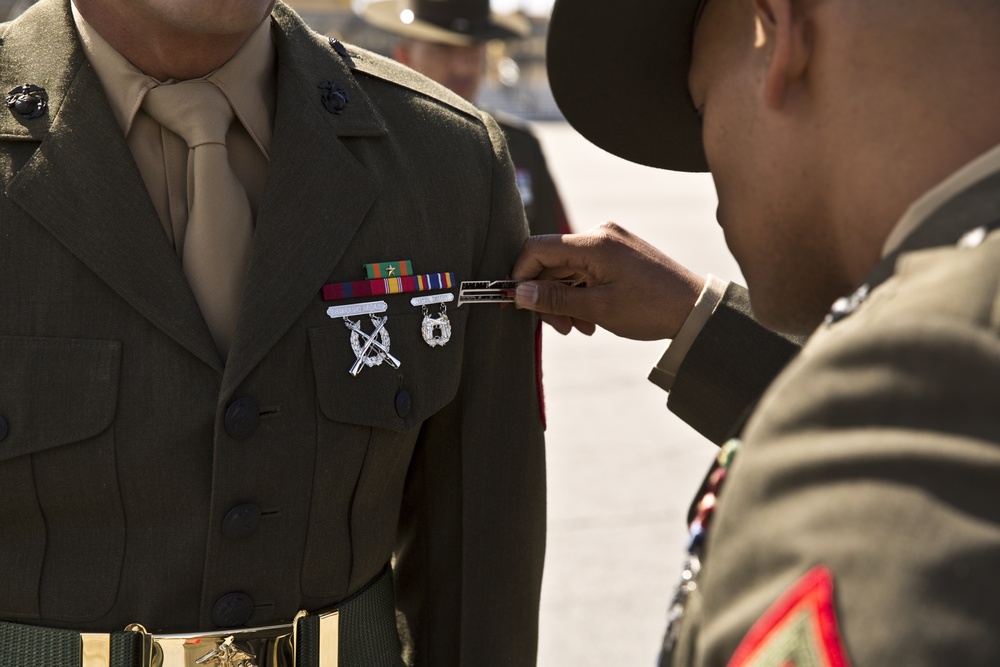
(516,81)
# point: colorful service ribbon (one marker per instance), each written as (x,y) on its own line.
(364,288)
(389,270)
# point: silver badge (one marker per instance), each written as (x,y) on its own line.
(436,330)
(375,348)
(367,308)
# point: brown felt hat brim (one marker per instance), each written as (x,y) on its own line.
(619,71)
(387,15)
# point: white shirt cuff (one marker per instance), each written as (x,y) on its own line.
(666,368)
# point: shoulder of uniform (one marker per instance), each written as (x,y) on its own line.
(517,131)
(369,64)
(509,122)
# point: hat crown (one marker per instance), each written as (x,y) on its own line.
(464,16)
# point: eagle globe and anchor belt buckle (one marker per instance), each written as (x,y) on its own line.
(364,622)
(271,646)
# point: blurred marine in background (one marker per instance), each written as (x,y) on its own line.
(445,40)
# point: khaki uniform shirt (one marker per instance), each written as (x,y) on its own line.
(248,80)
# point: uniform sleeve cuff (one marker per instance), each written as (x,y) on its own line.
(665,370)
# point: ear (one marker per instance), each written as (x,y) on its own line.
(783,32)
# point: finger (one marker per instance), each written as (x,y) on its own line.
(552,255)
(551,297)
(563,325)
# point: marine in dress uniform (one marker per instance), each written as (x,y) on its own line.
(849,518)
(446,41)
(150,475)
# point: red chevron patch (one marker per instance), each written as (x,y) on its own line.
(798,630)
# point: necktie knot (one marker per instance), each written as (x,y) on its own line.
(197,111)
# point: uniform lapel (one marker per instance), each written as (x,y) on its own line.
(82,184)
(316,197)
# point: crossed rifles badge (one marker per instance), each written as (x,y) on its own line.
(370,349)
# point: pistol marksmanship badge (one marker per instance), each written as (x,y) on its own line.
(435,330)
(370,349)
(229,654)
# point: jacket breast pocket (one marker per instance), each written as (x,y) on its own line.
(367,425)
(61,513)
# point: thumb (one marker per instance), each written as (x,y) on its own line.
(549,296)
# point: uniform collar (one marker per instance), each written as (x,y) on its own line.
(248,79)
(923,208)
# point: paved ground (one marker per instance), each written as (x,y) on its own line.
(622,469)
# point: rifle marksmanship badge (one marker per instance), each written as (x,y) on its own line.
(370,349)
(436,330)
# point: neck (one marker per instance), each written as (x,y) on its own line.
(157,47)
(895,139)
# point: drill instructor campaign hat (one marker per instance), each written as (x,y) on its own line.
(458,22)
(618,71)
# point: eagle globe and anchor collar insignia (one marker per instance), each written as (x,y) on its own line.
(28,101)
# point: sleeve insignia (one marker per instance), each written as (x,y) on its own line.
(799,630)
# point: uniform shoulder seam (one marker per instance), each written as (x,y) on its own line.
(386,69)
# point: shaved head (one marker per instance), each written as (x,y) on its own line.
(823,120)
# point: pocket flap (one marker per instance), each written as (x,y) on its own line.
(429,376)
(55,391)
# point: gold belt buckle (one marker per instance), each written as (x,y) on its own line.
(254,647)
(271,646)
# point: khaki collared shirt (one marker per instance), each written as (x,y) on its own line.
(666,368)
(249,81)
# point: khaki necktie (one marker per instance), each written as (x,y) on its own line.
(219,229)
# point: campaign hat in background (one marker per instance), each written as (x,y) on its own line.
(459,22)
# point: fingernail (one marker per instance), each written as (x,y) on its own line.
(527,295)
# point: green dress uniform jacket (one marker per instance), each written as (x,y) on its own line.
(871,462)
(143,481)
